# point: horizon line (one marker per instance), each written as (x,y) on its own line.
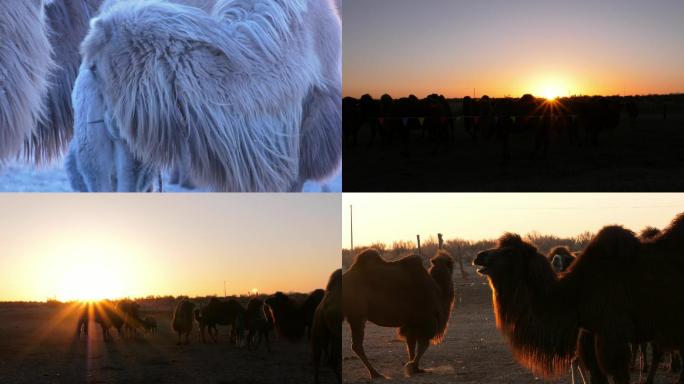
(513,97)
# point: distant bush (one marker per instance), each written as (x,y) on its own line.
(465,250)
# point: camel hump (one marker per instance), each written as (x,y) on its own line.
(674,231)
(367,257)
(411,262)
(335,281)
(613,242)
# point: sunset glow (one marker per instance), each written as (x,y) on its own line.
(92,247)
(473,216)
(500,47)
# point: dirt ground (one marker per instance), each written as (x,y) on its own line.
(643,157)
(472,352)
(38,345)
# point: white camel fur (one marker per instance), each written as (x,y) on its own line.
(249,91)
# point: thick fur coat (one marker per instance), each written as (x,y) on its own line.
(250,91)
(24,67)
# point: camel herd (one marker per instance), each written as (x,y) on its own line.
(596,310)
(580,120)
(230,95)
(319,317)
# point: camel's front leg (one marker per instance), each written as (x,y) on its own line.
(412,367)
(357,329)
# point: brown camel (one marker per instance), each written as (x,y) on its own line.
(182,320)
(290,319)
(560,258)
(326,331)
(621,289)
(401,294)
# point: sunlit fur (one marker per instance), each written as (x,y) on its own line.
(67,21)
(326,331)
(402,294)
(24,66)
(250,90)
(620,288)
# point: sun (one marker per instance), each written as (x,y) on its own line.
(89,282)
(551,92)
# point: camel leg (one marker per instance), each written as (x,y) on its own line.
(586,352)
(409,367)
(357,329)
(613,357)
(423,345)
(411,348)
(655,362)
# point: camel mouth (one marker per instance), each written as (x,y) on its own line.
(481,265)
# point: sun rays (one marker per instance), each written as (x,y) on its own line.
(90,282)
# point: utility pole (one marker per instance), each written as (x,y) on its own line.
(351,224)
(224,289)
(441,241)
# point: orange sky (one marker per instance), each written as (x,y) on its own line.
(95,246)
(381,217)
(502,47)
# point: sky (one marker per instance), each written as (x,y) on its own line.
(79,246)
(503,47)
(392,217)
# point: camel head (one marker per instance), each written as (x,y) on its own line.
(532,309)
(560,258)
(649,233)
(511,261)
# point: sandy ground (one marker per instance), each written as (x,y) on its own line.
(38,345)
(472,352)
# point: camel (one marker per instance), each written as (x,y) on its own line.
(217,312)
(149,323)
(204,87)
(25,62)
(85,313)
(540,313)
(401,294)
(130,311)
(560,258)
(182,320)
(648,234)
(292,321)
(108,315)
(256,324)
(326,331)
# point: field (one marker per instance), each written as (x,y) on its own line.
(644,156)
(472,352)
(39,346)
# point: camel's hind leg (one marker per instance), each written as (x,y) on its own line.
(357,330)
(655,362)
(613,357)
(412,367)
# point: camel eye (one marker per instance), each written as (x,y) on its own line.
(93,68)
